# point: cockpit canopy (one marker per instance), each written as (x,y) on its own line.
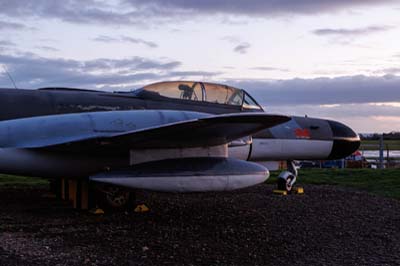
(199,91)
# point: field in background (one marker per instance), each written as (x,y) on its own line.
(374,145)
(381,182)
(22,181)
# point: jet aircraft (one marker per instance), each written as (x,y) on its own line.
(178,136)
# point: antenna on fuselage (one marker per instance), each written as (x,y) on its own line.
(9,76)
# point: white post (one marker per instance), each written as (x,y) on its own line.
(381,147)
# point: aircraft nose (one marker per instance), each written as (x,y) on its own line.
(345,140)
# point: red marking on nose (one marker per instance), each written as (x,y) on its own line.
(302,133)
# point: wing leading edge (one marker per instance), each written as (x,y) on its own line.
(132,129)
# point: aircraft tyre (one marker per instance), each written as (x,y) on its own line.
(286,181)
(114,198)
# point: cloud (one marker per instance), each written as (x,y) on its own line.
(320,91)
(361,117)
(32,71)
(351,32)
(106,39)
(72,11)
(390,119)
(6,43)
(270,69)
(194,73)
(339,110)
(242,48)
(252,7)
(138,12)
(139,41)
(47,48)
(390,71)
(391,104)
(127,39)
(231,39)
(5,25)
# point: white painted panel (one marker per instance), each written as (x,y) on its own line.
(270,165)
(149,155)
(290,149)
(239,152)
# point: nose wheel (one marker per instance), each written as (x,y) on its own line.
(287,179)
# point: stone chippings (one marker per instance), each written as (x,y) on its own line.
(326,226)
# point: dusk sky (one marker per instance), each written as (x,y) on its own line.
(336,59)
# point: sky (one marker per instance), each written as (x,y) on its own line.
(335,59)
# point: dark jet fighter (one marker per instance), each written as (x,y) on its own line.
(171,136)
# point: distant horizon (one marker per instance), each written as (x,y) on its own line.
(385,133)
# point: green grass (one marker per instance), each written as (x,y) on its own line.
(381,182)
(22,181)
(374,144)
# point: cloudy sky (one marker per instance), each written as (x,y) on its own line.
(336,59)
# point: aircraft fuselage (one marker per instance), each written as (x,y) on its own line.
(300,138)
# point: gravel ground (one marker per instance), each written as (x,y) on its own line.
(326,226)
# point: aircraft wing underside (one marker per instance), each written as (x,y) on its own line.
(124,130)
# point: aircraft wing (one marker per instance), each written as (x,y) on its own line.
(124,130)
(207,131)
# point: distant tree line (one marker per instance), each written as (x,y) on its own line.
(394,135)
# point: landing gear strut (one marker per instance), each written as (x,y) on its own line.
(286,179)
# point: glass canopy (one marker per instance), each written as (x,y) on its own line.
(200,91)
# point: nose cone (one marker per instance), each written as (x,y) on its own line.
(345,141)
